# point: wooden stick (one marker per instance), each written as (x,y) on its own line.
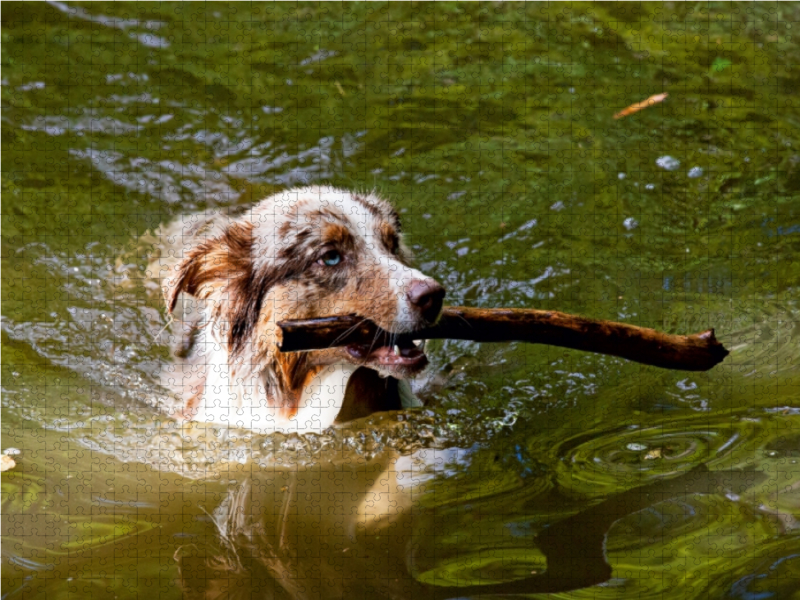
(698,352)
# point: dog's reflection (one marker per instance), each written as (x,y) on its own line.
(338,532)
(361,531)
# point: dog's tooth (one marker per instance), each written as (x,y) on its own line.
(418,343)
(397,349)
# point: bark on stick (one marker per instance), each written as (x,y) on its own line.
(697,352)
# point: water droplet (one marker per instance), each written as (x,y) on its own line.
(668,162)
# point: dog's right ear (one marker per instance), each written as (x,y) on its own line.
(214,264)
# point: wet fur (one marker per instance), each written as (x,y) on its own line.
(239,277)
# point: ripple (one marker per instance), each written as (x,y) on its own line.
(763,338)
(169,181)
(204,451)
(601,462)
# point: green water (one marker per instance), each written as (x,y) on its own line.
(490,127)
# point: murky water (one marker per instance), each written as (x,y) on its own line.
(490,126)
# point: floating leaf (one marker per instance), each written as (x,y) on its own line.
(641,105)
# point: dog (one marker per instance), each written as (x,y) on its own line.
(303,253)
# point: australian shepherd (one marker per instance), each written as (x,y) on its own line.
(303,253)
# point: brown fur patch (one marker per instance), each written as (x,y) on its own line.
(301,238)
(395,219)
(285,228)
(389,237)
(336,233)
(294,376)
(224,260)
(191,406)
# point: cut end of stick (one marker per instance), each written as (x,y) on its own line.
(707,335)
(716,350)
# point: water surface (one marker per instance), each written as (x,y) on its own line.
(490,127)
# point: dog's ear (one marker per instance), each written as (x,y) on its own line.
(216,262)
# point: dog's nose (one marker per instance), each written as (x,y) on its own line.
(427,296)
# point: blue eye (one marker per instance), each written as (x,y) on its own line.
(331,258)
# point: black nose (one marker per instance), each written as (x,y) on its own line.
(427,296)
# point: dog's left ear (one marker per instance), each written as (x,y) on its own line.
(214,264)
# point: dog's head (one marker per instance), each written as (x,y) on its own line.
(308,253)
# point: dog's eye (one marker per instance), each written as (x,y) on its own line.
(331,258)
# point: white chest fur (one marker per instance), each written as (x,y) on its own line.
(245,403)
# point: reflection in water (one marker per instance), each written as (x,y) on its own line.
(355,532)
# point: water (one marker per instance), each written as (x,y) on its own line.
(490,127)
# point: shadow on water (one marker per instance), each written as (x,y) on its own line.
(265,542)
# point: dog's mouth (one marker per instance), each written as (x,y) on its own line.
(404,355)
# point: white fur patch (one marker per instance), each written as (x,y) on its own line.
(245,404)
